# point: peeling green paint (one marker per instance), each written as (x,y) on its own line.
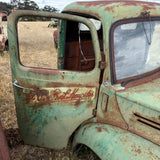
(126,126)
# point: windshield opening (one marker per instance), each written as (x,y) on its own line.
(136,48)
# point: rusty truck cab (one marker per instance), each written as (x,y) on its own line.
(105,92)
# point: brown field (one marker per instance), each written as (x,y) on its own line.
(36,44)
(36,49)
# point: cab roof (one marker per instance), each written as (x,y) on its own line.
(118,9)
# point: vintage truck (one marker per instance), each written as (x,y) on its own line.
(105,93)
(3,32)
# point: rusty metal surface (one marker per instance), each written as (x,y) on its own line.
(4,151)
(109,12)
(51,104)
(110,142)
(134,109)
(98,8)
(111,114)
(48,117)
(140,107)
(46,96)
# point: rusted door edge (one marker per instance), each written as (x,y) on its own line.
(4,151)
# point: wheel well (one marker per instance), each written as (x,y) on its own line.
(82,151)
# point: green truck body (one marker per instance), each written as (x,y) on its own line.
(105,92)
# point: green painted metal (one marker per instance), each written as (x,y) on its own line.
(135,109)
(110,142)
(140,108)
(109,12)
(53,103)
(146,95)
(61,45)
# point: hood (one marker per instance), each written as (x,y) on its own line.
(147,95)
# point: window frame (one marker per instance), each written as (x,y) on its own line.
(124,81)
(62,16)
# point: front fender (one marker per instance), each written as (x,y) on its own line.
(113,143)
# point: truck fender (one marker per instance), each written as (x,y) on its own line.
(113,143)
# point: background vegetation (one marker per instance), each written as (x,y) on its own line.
(24,5)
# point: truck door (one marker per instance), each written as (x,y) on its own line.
(52,103)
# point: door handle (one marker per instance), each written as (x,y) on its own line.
(15,84)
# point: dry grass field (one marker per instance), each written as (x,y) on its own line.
(36,44)
(36,49)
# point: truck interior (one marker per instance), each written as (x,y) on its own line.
(79,52)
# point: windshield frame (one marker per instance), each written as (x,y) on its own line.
(125,81)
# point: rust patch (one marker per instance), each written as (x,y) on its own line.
(145,5)
(78,102)
(99,129)
(90,103)
(112,115)
(46,122)
(62,76)
(146,132)
(109,8)
(42,96)
(55,84)
(75,11)
(43,71)
(98,3)
(138,151)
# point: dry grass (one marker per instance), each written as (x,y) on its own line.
(37,45)
(36,49)
(7,107)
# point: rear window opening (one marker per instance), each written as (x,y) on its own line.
(79,53)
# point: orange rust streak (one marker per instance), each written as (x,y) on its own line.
(99,129)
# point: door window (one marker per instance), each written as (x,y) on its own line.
(39,43)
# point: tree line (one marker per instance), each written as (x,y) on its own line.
(24,5)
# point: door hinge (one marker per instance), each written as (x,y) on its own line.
(102,65)
(94,112)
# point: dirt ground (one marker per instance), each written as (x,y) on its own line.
(36,49)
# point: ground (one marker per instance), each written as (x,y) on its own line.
(37,50)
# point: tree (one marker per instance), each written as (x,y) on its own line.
(49,9)
(27,5)
(5,7)
(14,3)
